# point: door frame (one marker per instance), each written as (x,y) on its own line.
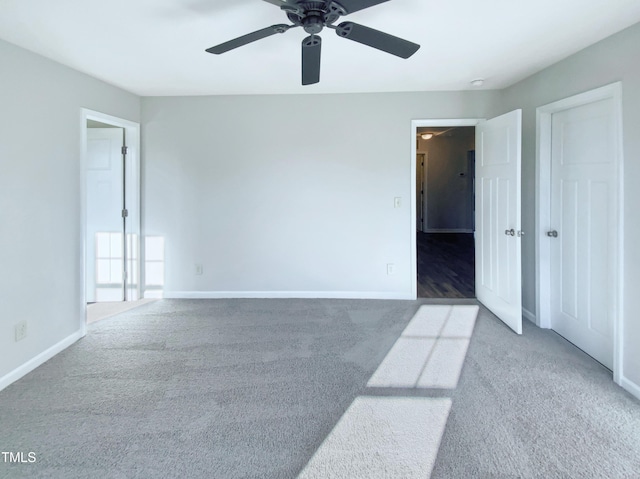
(415,124)
(423,194)
(132,135)
(543,215)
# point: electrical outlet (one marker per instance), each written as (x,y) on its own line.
(20,330)
(198,269)
(391,268)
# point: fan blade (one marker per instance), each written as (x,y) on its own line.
(248,38)
(377,39)
(354,5)
(311,47)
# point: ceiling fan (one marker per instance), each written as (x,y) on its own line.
(313,16)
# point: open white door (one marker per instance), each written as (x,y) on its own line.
(104,279)
(498,223)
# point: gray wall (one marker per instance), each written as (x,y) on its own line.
(40,232)
(285,194)
(613,59)
(449,185)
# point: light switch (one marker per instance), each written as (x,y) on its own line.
(397,202)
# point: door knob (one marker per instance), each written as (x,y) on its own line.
(552,234)
(510,232)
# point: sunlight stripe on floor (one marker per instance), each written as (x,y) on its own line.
(382,437)
(461,321)
(430,352)
(443,369)
(404,363)
(428,321)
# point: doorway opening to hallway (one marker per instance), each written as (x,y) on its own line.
(445,213)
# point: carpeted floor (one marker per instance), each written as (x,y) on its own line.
(251,389)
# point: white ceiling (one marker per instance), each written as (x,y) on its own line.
(156,47)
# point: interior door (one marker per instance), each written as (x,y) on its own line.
(583,218)
(498,222)
(105,249)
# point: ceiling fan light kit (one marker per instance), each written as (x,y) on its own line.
(313,17)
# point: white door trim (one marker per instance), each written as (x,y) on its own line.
(132,132)
(423,196)
(415,124)
(543,214)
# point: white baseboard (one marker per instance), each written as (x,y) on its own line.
(630,386)
(526,314)
(40,359)
(286,294)
(454,230)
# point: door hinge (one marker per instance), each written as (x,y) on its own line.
(125,149)
(125,213)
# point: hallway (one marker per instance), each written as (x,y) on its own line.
(446,265)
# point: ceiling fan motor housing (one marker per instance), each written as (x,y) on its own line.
(313,23)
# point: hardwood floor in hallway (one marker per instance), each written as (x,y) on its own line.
(446,265)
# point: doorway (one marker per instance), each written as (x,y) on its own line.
(497,227)
(111,206)
(445,249)
(106,223)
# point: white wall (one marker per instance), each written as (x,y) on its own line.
(40,198)
(286,195)
(613,59)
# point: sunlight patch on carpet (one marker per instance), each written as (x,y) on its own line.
(430,352)
(382,437)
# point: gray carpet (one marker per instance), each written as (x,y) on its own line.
(250,389)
